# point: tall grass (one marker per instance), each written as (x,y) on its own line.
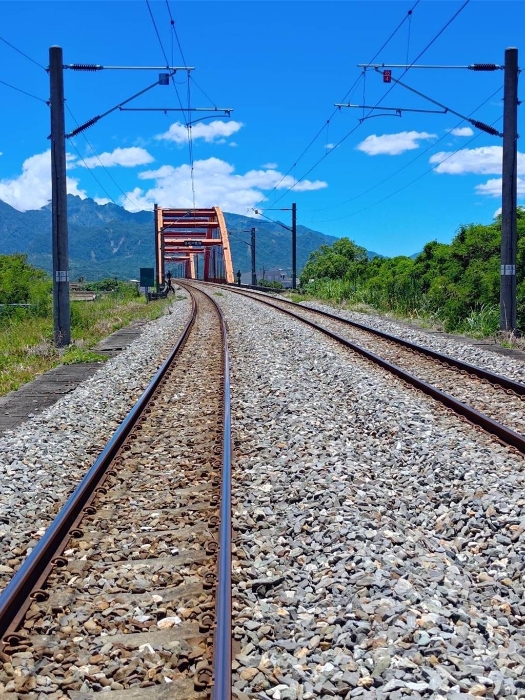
(26,338)
(482,322)
(405,300)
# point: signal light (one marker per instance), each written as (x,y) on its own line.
(387,76)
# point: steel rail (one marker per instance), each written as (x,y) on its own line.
(492,377)
(502,432)
(16,597)
(222,656)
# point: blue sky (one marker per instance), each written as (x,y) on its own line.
(281,66)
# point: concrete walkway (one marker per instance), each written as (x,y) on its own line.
(30,399)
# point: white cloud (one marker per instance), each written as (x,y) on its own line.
(101,200)
(126,157)
(492,188)
(270,166)
(216,184)
(233,144)
(485,160)
(393,144)
(329,146)
(32,189)
(462,131)
(210,133)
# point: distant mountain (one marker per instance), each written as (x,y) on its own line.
(108,241)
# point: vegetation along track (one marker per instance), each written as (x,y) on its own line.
(131,582)
(486,399)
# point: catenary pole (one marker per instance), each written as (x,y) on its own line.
(294,246)
(254,273)
(61,306)
(509,194)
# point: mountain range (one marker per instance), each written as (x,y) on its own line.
(109,241)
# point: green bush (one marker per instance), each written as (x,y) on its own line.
(21,283)
(455,285)
(270,285)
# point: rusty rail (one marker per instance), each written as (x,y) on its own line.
(492,377)
(502,432)
(16,597)
(222,659)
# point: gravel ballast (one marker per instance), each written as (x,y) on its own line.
(379,540)
(379,547)
(513,368)
(44,459)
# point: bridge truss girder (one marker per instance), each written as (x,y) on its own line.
(186,235)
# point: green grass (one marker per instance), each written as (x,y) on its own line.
(26,341)
(75,355)
(403,303)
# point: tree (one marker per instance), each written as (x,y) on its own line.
(337,261)
(21,283)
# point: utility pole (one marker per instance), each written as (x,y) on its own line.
(254,273)
(294,246)
(507,319)
(61,307)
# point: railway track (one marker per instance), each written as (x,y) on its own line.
(488,400)
(129,590)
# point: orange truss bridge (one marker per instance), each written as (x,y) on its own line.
(192,243)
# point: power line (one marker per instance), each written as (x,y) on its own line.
(175,31)
(102,164)
(23,54)
(93,174)
(157,32)
(186,118)
(13,87)
(346,216)
(413,160)
(349,92)
(204,93)
(376,105)
(190,146)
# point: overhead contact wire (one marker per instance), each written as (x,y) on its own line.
(23,54)
(376,105)
(349,92)
(450,155)
(186,120)
(13,87)
(404,167)
(102,165)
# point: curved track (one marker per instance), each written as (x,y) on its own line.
(131,583)
(486,399)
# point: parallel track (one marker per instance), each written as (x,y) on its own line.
(502,398)
(131,583)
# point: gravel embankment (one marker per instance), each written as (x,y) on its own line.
(504,365)
(44,459)
(379,540)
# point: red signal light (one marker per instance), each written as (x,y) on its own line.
(387,76)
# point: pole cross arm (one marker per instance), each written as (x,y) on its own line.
(472,66)
(97,66)
(89,123)
(479,125)
(395,109)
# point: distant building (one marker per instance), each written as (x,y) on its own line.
(273,274)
